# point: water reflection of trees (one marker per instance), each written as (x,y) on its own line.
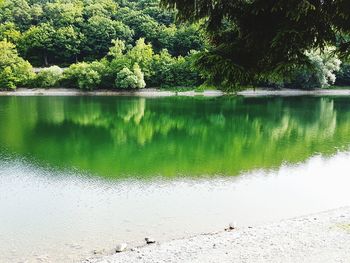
(170,136)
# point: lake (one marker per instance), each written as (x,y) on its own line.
(79,174)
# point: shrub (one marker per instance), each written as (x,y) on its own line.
(173,72)
(14,71)
(82,75)
(48,77)
(126,79)
(320,73)
(139,76)
(343,76)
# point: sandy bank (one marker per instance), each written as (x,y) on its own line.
(292,92)
(323,237)
(163,93)
(76,92)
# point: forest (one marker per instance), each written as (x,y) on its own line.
(131,44)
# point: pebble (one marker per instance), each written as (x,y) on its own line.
(232,225)
(121,247)
(98,252)
(150,240)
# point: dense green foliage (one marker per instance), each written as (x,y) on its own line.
(264,38)
(343,76)
(132,44)
(105,44)
(132,68)
(13,69)
(60,31)
(48,77)
(320,74)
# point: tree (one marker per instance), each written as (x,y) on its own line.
(143,25)
(139,76)
(168,71)
(187,38)
(321,72)
(9,32)
(258,38)
(106,8)
(141,54)
(161,68)
(100,31)
(67,43)
(62,13)
(117,49)
(38,41)
(16,11)
(14,70)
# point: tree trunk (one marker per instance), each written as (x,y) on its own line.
(46,61)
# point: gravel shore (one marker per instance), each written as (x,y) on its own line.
(138,93)
(323,237)
(164,93)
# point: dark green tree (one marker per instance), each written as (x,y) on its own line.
(38,41)
(100,31)
(255,38)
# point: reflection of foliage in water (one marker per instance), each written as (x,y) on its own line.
(136,136)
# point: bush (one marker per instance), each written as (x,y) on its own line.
(48,78)
(126,79)
(82,75)
(139,76)
(14,71)
(343,76)
(319,74)
(169,71)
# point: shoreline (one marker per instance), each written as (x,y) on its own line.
(165,93)
(321,237)
(137,93)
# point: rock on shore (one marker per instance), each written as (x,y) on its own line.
(323,237)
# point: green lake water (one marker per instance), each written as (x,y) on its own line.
(83,173)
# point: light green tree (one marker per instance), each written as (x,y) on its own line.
(140,77)
(320,72)
(325,64)
(9,32)
(14,71)
(64,13)
(106,8)
(117,49)
(16,11)
(142,54)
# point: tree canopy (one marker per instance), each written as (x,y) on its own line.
(61,32)
(255,38)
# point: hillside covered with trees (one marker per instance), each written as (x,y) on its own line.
(98,39)
(90,44)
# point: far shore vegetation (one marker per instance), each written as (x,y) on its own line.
(135,44)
